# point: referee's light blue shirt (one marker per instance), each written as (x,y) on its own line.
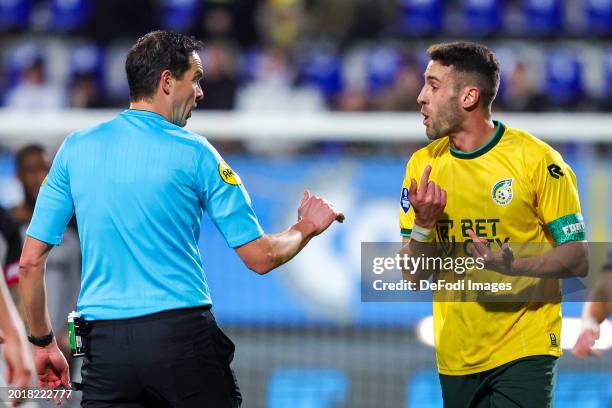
(139,186)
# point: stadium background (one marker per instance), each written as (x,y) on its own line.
(322,94)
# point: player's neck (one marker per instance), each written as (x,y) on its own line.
(473,135)
(151,106)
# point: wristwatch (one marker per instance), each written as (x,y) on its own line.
(42,341)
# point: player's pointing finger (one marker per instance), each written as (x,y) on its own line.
(425,178)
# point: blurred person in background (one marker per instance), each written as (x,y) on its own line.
(63,274)
(281,22)
(84,92)
(520,92)
(272,87)
(16,350)
(220,80)
(139,198)
(34,91)
(594,312)
(402,96)
(10,251)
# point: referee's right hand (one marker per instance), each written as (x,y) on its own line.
(51,367)
(318,211)
(428,201)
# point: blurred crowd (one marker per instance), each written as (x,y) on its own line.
(307,55)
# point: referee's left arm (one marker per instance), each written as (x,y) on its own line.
(32,285)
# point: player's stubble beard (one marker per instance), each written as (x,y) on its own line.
(447,121)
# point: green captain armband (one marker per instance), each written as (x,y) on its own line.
(567,228)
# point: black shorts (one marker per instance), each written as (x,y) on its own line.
(528,382)
(178,358)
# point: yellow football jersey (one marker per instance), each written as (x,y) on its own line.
(514,189)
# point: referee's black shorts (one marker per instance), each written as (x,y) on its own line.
(178,358)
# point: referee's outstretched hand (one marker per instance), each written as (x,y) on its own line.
(51,367)
(318,211)
(428,201)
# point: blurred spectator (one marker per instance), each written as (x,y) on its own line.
(86,73)
(273,90)
(352,100)
(402,96)
(219,84)
(84,92)
(33,91)
(10,251)
(63,271)
(281,22)
(520,94)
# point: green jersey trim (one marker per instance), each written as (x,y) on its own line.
(406,232)
(499,131)
(567,228)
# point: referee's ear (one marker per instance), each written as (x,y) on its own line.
(166,81)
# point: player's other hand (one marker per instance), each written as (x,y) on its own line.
(499,261)
(20,366)
(319,212)
(584,346)
(51,367)
(428,200)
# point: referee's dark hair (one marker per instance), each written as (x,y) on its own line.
(151,55)
(476,64)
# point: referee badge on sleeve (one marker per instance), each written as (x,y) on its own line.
(404,202)
(228,175)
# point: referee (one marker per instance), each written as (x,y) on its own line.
(139,185)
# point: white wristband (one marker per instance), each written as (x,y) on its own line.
(421,234)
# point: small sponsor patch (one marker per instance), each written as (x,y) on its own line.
(228,175)
(502,192)
(404,202)
(553,339)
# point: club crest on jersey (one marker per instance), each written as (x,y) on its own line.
(404,202)
(228,175)
(502,192)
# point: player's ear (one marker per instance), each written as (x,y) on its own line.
(470,98)
(166,81)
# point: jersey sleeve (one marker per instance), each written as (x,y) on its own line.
(558,205)
(406,212)
(226,200)
(54,205)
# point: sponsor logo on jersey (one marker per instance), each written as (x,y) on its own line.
(502,192)
(404,202)
(228,175)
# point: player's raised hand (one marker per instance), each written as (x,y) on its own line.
(428,200)
(318,211)
(499,261)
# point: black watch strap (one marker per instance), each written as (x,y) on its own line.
(43,341)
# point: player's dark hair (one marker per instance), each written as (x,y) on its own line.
(476,61)
(25,151)
(151,55)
